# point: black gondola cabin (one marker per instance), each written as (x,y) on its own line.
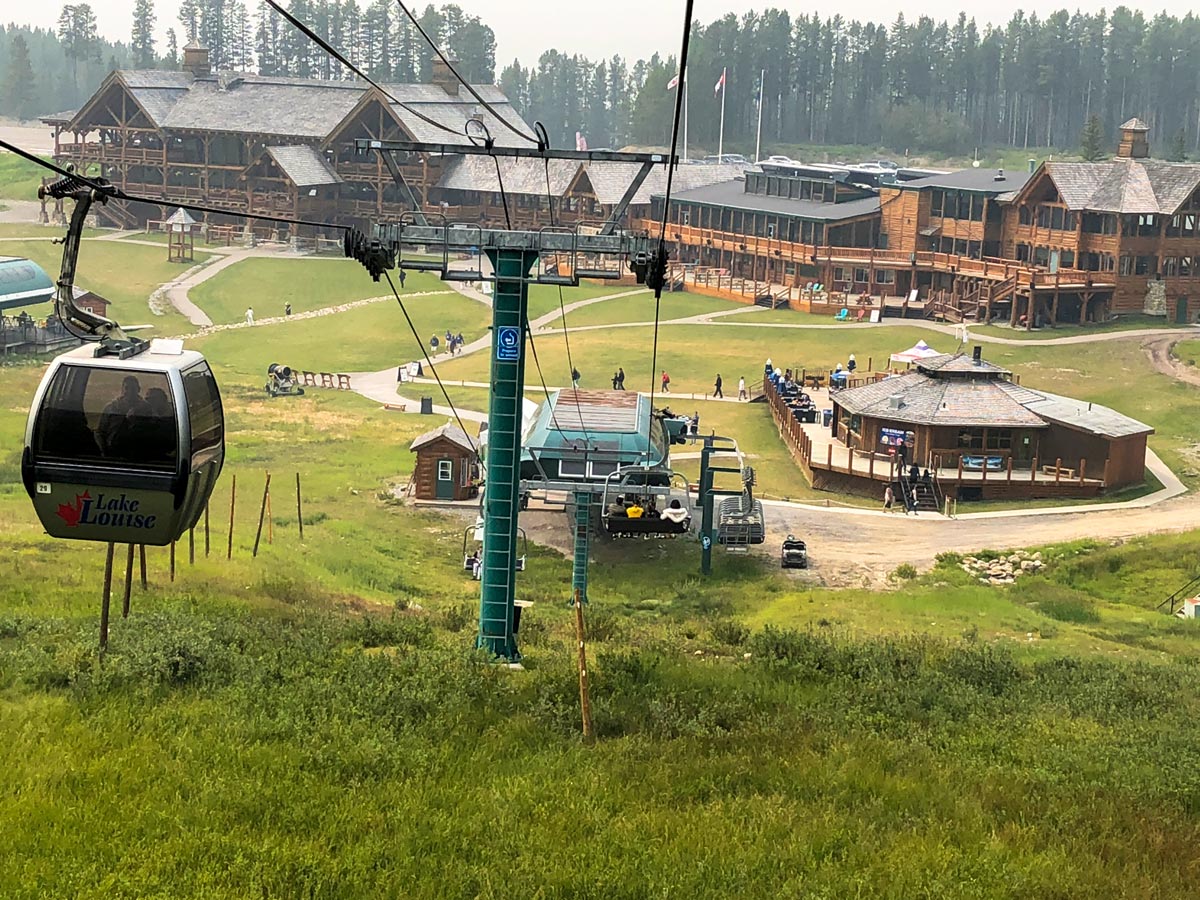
(124,450)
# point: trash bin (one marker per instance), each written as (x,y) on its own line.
(826,415)
(427,406)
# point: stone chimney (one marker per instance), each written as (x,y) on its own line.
(195,60)
(1134,144)
(443,77)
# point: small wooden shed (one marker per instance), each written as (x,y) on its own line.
(446,465)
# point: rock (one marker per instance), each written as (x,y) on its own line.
(1038,556)
(1026,565)
(984,581)
(698,653)
(747,655)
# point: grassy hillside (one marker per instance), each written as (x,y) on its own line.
(313,723)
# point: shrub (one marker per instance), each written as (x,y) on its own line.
(458,617)
(394,631)
(730,633)
(904,572)
(603,625)
(948,559)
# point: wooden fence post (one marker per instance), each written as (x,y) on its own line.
(1057,468)
(206,528)
(106,598)
(128,582)
(1082,468)
(262,512)
(172,561)
(299,511)
(232,503)
(1033,470)
(192,546)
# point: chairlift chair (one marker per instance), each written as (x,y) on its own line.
(740,520)
(640,481)
(476,532)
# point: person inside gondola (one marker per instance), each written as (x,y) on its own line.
(158,440)
(635,510)
(675,513)
(116,432)
(617,508)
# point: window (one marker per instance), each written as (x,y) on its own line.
(860,276)
(1147,226)
(771,230)
(1174,225)
(1126,265)
(1067,260)
(205,417)
(445,470)
(1025,216)
(936,199)
(885,276)
(1099,223)
(573,468)
(1143,265)
(840,274)
(1056,218)
(998,439)
(970,439)
(118,417)
(686,217)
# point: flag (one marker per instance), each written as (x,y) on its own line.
(673,83)
(580,141)
(720,83)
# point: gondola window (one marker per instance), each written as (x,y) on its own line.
(109,416)
(204,413)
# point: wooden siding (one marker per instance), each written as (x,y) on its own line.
(425,471)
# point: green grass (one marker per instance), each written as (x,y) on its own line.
(1124,323)
(124,274)
(640,308)
(544,298)
(19,179)
(267,284)
(312,722)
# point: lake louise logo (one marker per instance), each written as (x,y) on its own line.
(114,512)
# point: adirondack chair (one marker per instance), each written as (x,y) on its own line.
(842,316)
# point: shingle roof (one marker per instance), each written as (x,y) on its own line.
(1145,186)
(928,400)
(521,176)
(449,431)
(609,180)
(925,400)
(1135,124)
(960,363)
(304,107)
(304,166)
(732,194)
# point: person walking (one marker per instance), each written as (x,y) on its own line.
(851,364)
(460,340)
(694,426)
(889,497)
(717,387)
(614,380)
(433,345)
(287,309)
(742,395)
(666,382)
(574,377)
(249,315)
(620,379)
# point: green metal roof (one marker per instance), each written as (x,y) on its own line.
(606,420)
(23,283)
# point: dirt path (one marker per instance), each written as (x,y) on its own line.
(1161,352)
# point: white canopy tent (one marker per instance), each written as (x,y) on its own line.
(919,351)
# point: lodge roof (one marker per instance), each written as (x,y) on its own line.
(980,180)
(959,364)
(1123,185)
(304,166)
(608,179)
(920,398)
(732,195)
(449,432)
(298,107)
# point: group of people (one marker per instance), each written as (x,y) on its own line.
(910,497)
(137,428)
(618,380)
(645,507)
(454,343)
(287,311)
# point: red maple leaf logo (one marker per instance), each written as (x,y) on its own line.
(71,512)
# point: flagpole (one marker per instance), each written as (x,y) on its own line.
(721,135)
(762,95)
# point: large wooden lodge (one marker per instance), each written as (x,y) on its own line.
(1066,242)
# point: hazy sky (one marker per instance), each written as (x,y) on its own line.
(633,28)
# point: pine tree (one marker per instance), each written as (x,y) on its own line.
(18,79)
(1091,140)
(142,38)
(172,56)
(77,32)
(189,18)
(1178,151)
